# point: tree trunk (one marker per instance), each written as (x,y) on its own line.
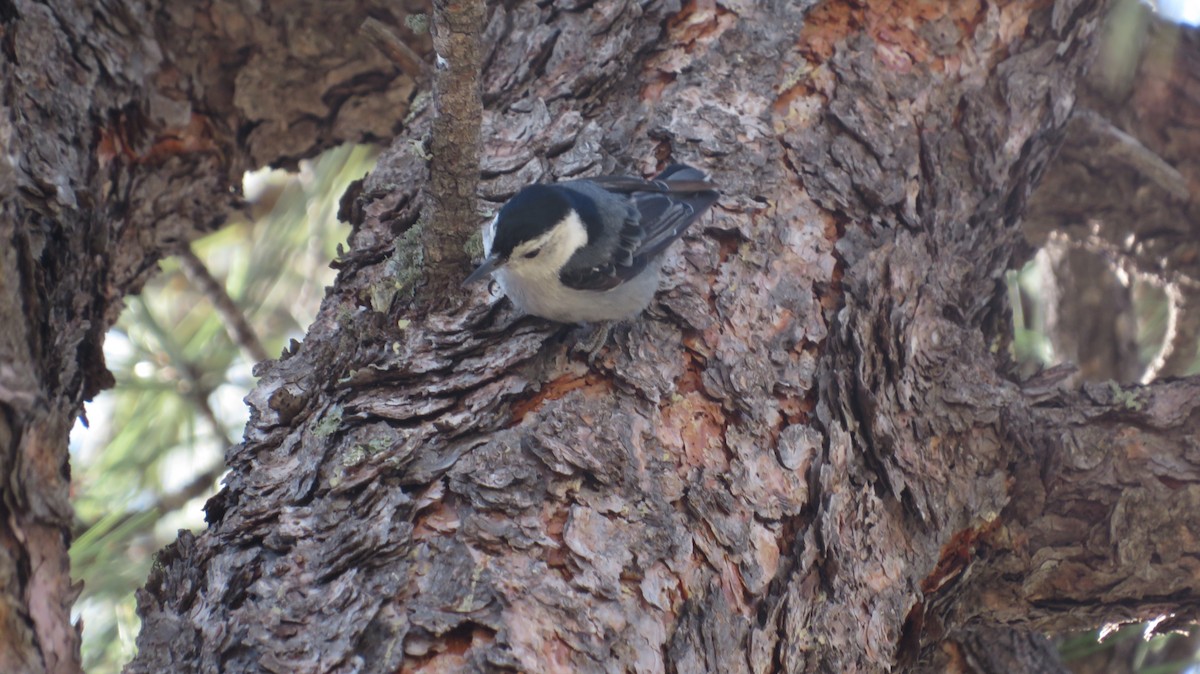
(807,456)
(127,130)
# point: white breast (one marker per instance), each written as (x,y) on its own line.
(547,297)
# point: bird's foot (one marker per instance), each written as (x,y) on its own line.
(593,341)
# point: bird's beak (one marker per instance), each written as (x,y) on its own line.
(489,265)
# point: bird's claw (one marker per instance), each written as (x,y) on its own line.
(593,342)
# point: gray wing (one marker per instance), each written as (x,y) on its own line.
(664,207)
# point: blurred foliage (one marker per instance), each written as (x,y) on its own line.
(1031,341)
(1128,649)
(155,449)
(1032,347)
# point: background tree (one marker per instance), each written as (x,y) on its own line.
(813,456)
(154,449)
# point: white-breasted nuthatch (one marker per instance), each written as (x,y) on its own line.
(590,250)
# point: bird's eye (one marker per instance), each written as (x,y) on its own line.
(532,254)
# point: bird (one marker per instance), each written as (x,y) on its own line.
(590,250)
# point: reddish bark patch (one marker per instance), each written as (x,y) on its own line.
(556,523)
(553,390)
(893,26)
(826,26)
(438,520)
(955,555)
(696,424)
(691,381)
(120,140)
(728,242)
(795,409)
(699,20)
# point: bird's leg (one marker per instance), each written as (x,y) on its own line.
(594,340)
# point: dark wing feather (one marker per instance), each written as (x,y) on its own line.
(664,208)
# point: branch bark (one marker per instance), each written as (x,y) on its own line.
(996,649)
(385,40)
(1101,525)
(454,145)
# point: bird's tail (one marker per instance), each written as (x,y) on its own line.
(689,185)
(682,173)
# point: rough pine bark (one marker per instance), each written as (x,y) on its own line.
(127,127)
(808,456)
(790,465)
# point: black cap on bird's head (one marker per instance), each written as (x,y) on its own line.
(531,213)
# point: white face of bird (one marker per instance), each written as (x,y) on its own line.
(545,255)
(489,234)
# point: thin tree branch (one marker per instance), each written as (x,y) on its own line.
(391,46)
(235,321)
(1131,152)
(198,486)
(454,167)
(197,393)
